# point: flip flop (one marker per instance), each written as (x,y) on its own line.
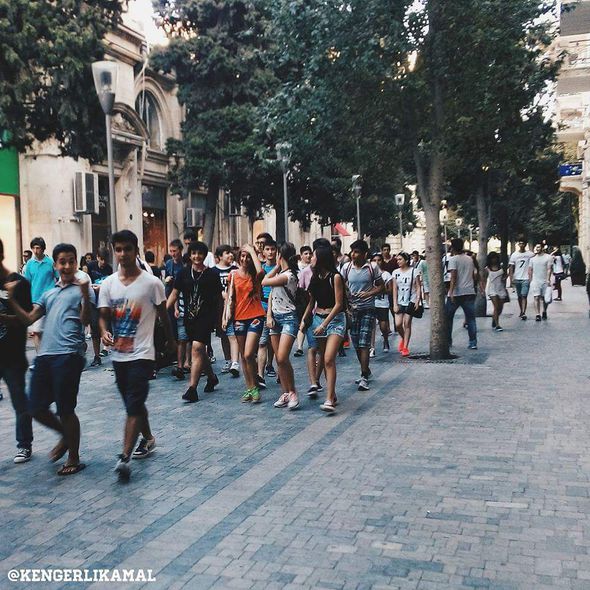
(55,456)
(71,469)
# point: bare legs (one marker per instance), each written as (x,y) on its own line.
(328,351)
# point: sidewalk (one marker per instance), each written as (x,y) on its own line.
(468,474)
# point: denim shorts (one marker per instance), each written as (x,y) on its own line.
(250,326)
(181,330)
(264,334)
(133,381)
(229,331)
(336,327)
(285,323)
(362,326)
(522,288)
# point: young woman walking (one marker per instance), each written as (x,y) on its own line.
(328,325)
(496,288)
(282,320)
(243,309)
(406,289)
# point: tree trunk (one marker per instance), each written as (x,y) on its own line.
(210,212)
(280,221)
(504,231)
(483,216)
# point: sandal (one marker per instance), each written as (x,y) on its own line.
(58,451)
(71,469)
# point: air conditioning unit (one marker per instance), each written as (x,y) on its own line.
(86,198)
(194,217)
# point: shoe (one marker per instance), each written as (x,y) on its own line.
(298,352)
(357,381)
(178,373)
(493,324)
(499,328)
(372,354)
(327,406)
(154,375)
(320,387)
(293,401)
(342,352)
(544,316)
(283,401)
(235,370)
(211,383)
(400,346)
(520,314)
(190,395)
(145,448)
(32,366)
(123,468)
(226,367)
(104,352)
(523,317)
(557,299)
(212,359)
(405,352)
(270,371)
(335,400)
(261,382)
(96,362)
(386,348)
(364,384)
(537,318)
(247,396)
(312,392)
(472,346)
(186,370)
(256,398)
(23,455)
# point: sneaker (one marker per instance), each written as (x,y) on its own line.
(298,352)
(226,367)
(154,375)
(123,468)
(472,345)
(178,373)
(386,348)
(544,316)
(211,383)
(283,401)
(190,395)
(247,396)
(364,384)
(22,455)
(520,314)
(493,324)
(499,328)
(405,352)
(400,346)
(270,371)
(357,381)
(537,318)
(320,387)
(312,392)
(328,407)
(145,448)
(557,299)
(293,401)
(235,370)
(104,352)
(523,317)
(96,362)
(186,370)
(256,398)
(212,359)
(261,382)
(372,353)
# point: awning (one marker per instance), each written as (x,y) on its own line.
(340,229)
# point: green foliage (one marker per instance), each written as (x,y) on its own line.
(46,49)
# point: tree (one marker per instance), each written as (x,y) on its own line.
(46,49)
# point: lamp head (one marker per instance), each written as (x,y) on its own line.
(357,184)
(105,81)
(284,154)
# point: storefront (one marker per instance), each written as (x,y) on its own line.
(9,208)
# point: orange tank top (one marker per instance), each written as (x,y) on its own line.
(247,305)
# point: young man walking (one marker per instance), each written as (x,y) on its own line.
(463,276)
(98,271)
(60,360)
(518,271)
(129,301)
(364,282)
(13,360)
(201,289)
(265,351)
(540,269)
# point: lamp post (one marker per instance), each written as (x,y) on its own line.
(443,217)
(459,223)
(470,228)
(399,201)
(105,81)
(357,187)
(284,157)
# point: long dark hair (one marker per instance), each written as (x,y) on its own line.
(324,261)
(288,253)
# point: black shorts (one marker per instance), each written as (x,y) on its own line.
(133,381)
(382,314)
(199,331)
(94,325)
(56,378)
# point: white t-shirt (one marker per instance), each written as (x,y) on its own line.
(382,300)
(464,284)
(558,264)
(133,315)
(281,301)
(520,262)
(540,263)
(403,280)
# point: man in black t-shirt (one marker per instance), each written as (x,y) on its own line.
(98,270)
(201,288)
(13,360)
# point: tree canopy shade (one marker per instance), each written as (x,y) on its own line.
(46,49)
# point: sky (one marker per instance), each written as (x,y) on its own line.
(141,12)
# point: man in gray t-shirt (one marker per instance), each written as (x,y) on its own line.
(462,290)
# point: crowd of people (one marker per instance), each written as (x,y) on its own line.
(260,300)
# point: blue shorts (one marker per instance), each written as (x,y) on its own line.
(336,327)
(133,381)
(181,330)
(265,334)
(362,326)
(522,288)
(229,331)
(56,378)
(251,326)
(285,323)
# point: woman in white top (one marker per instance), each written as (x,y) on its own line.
(496,287)
(382,306)
(282,319)
(406,289)
(558,271)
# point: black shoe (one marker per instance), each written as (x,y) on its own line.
(186,370)
(178,373)
(298,352)
(104,352)
(537,318)
(154,375)
(270,371)
(261,382)
(523,317)
(123,468)
(211,383)
(190,395)
(96,362)
(493,324)
(544,316)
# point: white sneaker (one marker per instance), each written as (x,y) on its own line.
(283,401)
(235,369)
(372,353)
(23,455)
(293,401)
(364,384)
(226,367)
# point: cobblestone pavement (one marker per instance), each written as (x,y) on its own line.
(470,474)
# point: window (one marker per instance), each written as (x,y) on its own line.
(147,109)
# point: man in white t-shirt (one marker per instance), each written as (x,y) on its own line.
(129,302)
(463,276)
(518,271)
(540,269)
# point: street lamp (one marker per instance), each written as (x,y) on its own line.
(105,82)
(284,158)
(357,187)
(458,224)
(399,201)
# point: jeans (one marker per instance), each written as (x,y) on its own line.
(15,381)
(467,304)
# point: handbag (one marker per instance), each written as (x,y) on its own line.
(416,310)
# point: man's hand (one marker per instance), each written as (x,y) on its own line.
(107,339)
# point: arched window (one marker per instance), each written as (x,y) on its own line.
(147,109)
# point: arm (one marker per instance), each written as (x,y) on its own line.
(85,307)
(418,288)
(453,274)
(254,256)
(24,317)
(269,319)
(274,280)
(307,314)
(172,299)
(228,306)
(104,321)
(394,296)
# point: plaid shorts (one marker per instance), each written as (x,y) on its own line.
(362,326)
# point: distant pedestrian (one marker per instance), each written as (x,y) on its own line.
(382,306)
(496,288)
(518,271)
(406,289)
(540,269)
(559,271)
